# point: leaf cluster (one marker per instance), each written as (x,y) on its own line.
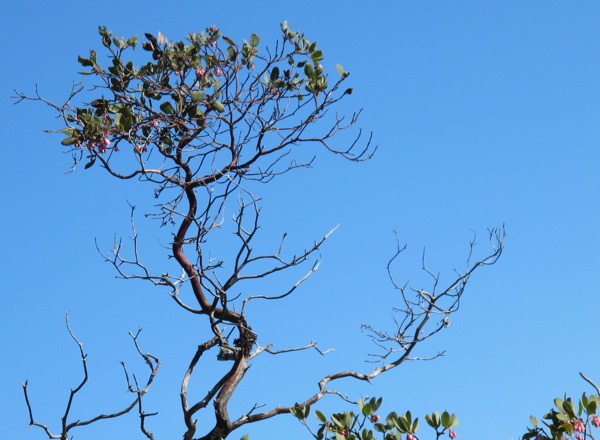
(567,418)
(349,425)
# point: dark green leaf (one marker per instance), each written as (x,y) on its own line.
(166,107)
(569,408)
(254,40)
(84,61)
(229,40)
(309,70)
(317,56)
(274,74)
(90,163)
(231,53)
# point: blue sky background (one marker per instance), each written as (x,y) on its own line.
(485,113)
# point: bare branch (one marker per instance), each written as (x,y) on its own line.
(66,426)
(588,380)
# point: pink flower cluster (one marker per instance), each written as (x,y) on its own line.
(102,145)
(452,434)
(596,421)
(578,426)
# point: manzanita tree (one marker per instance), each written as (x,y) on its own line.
(204,121)
(569,419)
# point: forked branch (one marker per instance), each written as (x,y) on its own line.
(134,388)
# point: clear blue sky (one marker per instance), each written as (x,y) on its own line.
(485,113)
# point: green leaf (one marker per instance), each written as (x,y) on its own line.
(348,416)
(90,163)
(559,404)
(415,425)
(403,424)
(569,408)
(274,74)
(317,56)
(309,70)
(245,437)
(366,410)
(166,107)
(534,421)
(340,70)
(320,416)
(229,40)
(197,96)
(336,419)
(453,421)
(429,421)
(391,417)
(217,105)
(254,40)
(446,419)
(231,53)
(84,61)
(297,412)
(68,141)
(375,403)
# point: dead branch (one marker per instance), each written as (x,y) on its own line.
(66,426)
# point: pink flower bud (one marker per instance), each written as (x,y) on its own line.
(452,434)
(578,437)
(578,426)
(596,421)
(409,436)
(374,418)
(213,43)
(319,68)
(105,142)
(218,71)
(214,29)
(199,72)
